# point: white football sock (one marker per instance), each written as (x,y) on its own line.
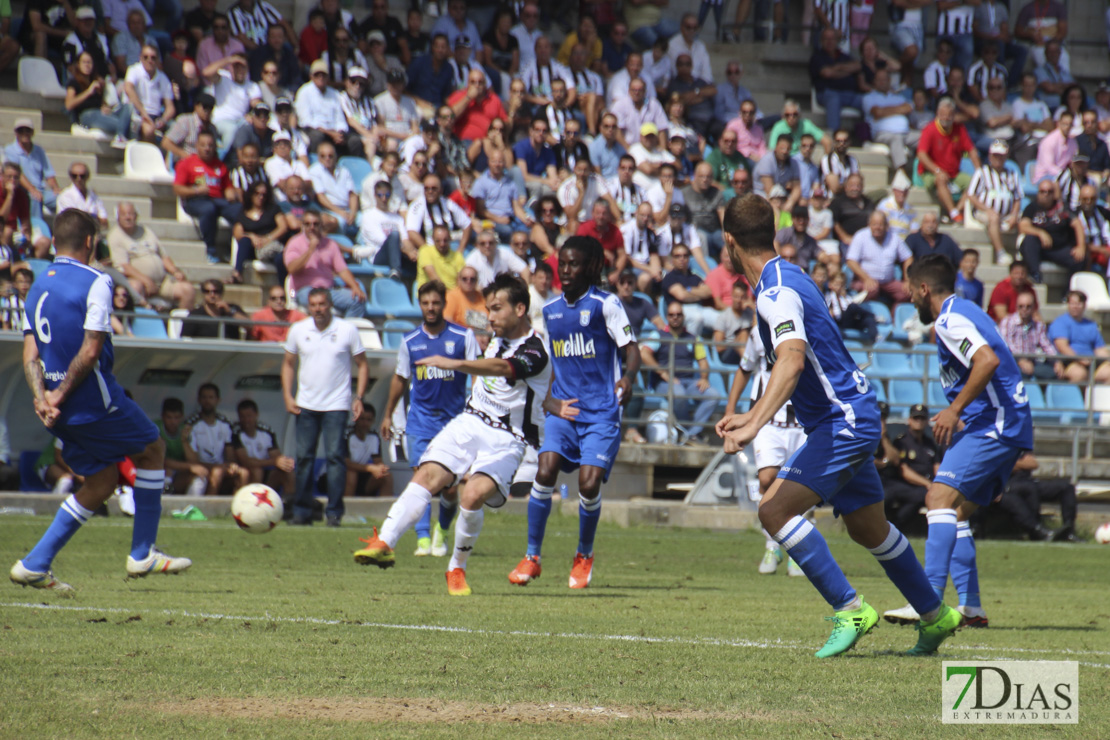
(770,543)
(405,513)
(467,528)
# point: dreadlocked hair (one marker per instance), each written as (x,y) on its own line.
(594,253)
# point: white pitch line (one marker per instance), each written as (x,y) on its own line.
(695,641)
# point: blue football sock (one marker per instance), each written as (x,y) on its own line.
(589,514)
(965,572)
(424,526)
(901,566)
(539,509)
(938,547)
(804,543)
(148,508)
(66,522)
(447,511)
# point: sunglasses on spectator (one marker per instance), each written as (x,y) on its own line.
(215,291)
(278,297)
(79,175)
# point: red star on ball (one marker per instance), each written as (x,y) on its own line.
(262,497)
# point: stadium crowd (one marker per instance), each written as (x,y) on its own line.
(339,149)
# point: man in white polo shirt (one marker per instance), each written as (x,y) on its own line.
(490,260)
(318,352)
(150,93)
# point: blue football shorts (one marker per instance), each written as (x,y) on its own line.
(978,467)
(89,448)
(838,468)
(581,443)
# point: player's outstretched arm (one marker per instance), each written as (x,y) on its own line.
(485,366)
(80,366)
(789,364)
(983,364)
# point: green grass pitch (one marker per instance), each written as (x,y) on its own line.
(283,635)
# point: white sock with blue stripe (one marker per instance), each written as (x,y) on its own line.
(148,508)
(898,560)
(804,543)
(71,515)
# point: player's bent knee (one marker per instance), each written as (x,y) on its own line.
(152,457)
(940,496)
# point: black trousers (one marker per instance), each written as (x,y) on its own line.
(1023,498)
(903,502)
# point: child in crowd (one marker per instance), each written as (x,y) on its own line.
(967,285)
(847,313)
(820,217)
(461,195)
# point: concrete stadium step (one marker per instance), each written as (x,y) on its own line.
(57,142)
(198,272)
(8,117)
(184,251)
(247,296)
(143,206)
(167,228)
(117,185)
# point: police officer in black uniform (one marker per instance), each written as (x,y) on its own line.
(917,452)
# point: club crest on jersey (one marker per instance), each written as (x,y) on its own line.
(584,317)
(783,328)
(449,347)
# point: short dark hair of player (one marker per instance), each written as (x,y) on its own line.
(593,255)
(320,291)
(247,403)
(432,286)
(544,268)
(209,386)
(750,221)
(73,229)
(515,289)
(936,271)
(173,405)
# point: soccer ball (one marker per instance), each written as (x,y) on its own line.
(257,508)
(1102,534)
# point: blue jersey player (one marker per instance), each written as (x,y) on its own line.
(436,397)
(587,332)
(833,400)
(67,357)
(987,425)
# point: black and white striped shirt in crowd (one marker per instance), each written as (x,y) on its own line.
(557,120)
(537,79)
(837,304)
(253,23)
(338,68)
(839,14)
(1069,188)
(628,197)
(955,21)
(639,243)
(461,72)
(979,75)
(362,110)
(832,164)
(936,77)
(587,81)
(12,309)
(242,180)
(1096,226)
(422,217)
(997,190)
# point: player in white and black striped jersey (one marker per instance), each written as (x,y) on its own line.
(996,194)
(258,452)
(838,164)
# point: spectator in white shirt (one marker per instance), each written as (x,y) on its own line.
(431,210)
(490,260)
(687,42)
(635,111)
(381,234)
(235,94)
(649,156)
(79,196)
(527,31)
(319,110)
(335,189)
(396,110)
(151,95)
(283,164)
(388,171)
(580,191)
(618,83)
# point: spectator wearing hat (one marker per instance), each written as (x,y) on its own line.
(220,44)
(37,174)
(996,194)
(462,63)
(917,464)
(85,37)
(650,157)
(431,76)
(235,95)
(901,216)
(202,183)
(636,110)
(378,63)
(256,130)
(1075,335)
(277,51)
(397,111)
(1051,232)
(887,113)
(928,240)
(283,165)
(362,115)
(151,95)
(871,257)
(285,120)
(319,109)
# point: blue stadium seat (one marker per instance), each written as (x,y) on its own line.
(341,240)
(858,353)
(389,298)
(882,317)
(1038,405)
(29,480)
(937,399)
(365,267)
(148,324)
(891,363)
(966,166)
(37,224)
(880,391)
(903,394)
(38,266)
(1027,185)
(922,358)
(359,169)
(1068,401)
(392,339)
(902,313)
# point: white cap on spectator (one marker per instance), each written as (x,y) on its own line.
(85,12)
(900,181)
(281,136)
(23,123)
(778,191)
(998,146)
(356,72)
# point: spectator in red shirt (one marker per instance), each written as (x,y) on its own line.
(721,279)
(1004,297)
(602,228)
(475,108)
(203,185)
(15,216)
(314,38)
(275,311)
(943,144)
(462,197)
